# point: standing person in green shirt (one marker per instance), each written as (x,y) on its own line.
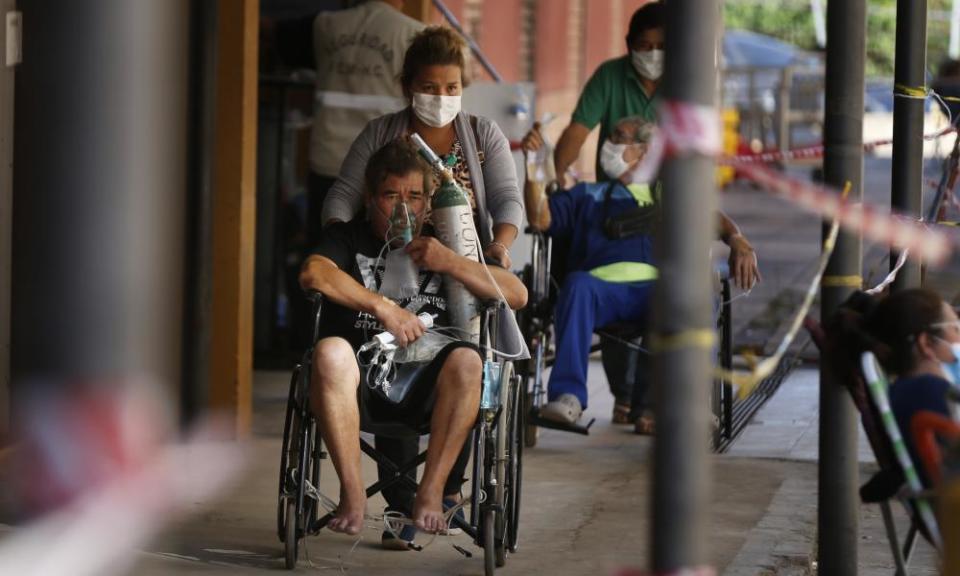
(620,88)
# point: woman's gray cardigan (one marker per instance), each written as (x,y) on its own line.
(497,193)
(501,199)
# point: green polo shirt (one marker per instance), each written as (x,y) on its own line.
(613,93)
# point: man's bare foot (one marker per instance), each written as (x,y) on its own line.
(350,513)
(428,512)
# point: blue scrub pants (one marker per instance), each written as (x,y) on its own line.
(584,304)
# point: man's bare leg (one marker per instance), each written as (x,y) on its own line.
(458,399)
(333,399)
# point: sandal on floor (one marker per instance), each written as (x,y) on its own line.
(621,413)
(401,538)
(453,529)
(645,426)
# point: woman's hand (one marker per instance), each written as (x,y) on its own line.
(499,252)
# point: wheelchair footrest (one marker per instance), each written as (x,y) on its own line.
(535,419)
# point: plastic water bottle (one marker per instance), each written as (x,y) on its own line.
(490,398)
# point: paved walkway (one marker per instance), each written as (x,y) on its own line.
(586,509)
(586,505)
(786,429)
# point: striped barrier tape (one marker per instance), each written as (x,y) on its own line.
(694,129)
(816,151)
(747,381)
(930,244)
(684,129)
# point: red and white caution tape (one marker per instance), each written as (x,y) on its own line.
(891,277)
(930,244)
(816,151)
(685,129)
(694,129)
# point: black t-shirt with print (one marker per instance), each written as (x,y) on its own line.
(353,247)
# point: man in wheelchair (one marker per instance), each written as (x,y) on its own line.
(439,378)
(610,227)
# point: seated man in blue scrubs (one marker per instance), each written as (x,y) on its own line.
(611,272)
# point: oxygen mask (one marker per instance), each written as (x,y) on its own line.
(400,277)
(402,223)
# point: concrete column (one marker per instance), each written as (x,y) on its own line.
(99,186)
(6,219)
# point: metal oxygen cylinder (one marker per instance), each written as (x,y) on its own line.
(453,224)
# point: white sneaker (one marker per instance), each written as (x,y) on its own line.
(566,409)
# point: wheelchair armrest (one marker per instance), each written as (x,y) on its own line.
(316,306)
(722,270)
(490,305)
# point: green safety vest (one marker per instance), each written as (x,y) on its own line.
(624,272)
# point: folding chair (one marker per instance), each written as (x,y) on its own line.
(868,386)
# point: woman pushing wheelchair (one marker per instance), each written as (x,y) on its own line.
(442,382)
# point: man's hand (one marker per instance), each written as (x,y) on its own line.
(533,140)
(430,254)
(403,324)
(499,252)
(743,262)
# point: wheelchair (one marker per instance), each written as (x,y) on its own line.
(542,277)
(497,445)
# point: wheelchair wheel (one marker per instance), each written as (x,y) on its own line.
(514,475)
(501,463)
(489,553)
(291,537)
(535,386)
(294,516)
(284,484)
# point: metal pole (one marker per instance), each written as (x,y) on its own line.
(953,51)
(909,70)
(837,512)
(474,47)
(783,108)
(683,310)
(98,188)
(819,25)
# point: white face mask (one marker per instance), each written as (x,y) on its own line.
(648,64)
(611,159)
(436,111)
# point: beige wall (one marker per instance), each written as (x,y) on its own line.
(6,222)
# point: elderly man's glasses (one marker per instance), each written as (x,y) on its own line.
(946,324)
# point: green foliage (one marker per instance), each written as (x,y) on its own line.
(792,21)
